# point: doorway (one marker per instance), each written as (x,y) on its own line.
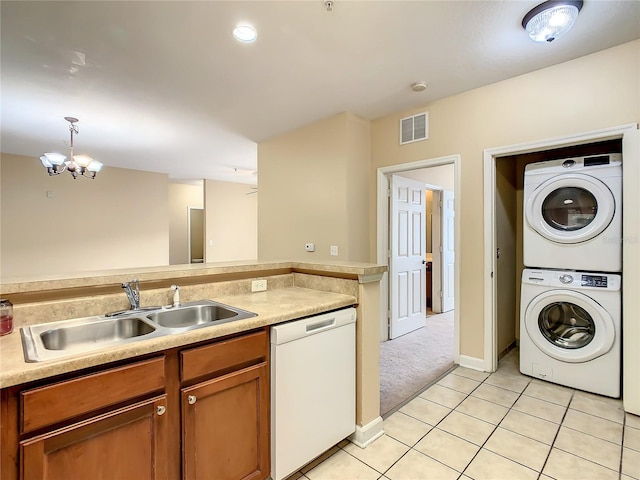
(196,235)
(410,354)
(503,162)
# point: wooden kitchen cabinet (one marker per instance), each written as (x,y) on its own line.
(225,420)
(127,443)
(197,411)
(109,424)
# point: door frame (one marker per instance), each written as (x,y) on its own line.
(382,235)
(204,247)
(630,249)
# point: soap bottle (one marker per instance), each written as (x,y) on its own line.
(6,316)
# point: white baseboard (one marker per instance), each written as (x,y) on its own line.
(366,434)
(472,363)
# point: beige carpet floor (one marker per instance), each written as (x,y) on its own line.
(410,363)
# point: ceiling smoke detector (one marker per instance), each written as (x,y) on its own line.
(418,86)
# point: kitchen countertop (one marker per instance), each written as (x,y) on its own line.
(271,307)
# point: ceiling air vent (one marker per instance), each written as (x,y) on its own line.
(415,128)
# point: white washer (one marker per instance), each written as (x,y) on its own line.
(570,329)
(573,214)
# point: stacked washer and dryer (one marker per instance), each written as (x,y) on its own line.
(570,311)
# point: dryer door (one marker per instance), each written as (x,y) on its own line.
(569,326)
(570,208)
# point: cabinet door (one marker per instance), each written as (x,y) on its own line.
(128,443)
(226,427)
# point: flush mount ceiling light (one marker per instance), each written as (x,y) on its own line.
(83,165)
(551,19)
(245,33)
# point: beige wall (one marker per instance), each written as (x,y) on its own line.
(181,197)
(230,221)
(118,220)
(314,189)
(592,92)
(441,176)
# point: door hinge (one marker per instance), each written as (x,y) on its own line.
(388,314)
(388,253)
(441,249)
(389,192)
(440,293)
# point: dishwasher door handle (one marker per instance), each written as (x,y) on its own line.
(313,327)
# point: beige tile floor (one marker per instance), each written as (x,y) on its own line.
(472,425)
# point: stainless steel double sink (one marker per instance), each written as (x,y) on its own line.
(55,340)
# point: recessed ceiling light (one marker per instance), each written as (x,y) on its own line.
(245,33)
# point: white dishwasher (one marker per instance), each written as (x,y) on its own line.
(313,388)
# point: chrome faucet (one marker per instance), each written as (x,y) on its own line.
(176,295)
(132,290)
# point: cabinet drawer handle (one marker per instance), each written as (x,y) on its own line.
(161,409)
(191,399)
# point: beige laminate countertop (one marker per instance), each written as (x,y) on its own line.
(271,307)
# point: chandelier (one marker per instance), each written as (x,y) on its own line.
(56,163)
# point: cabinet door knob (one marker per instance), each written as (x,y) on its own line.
(161,409)
(191,399)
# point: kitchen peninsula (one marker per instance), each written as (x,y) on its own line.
(294,290)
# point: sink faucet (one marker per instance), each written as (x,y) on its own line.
(132,290)
(176,295)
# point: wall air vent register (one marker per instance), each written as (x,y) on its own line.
(414,128)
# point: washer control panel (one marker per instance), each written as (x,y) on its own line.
(593,281)
(572,279)
(566,278)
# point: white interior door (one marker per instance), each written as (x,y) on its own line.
(407,301)
(448,251)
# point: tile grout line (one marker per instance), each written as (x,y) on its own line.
(411,447)
(496,427)
(555,437)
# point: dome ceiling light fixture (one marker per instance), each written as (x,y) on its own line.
(245,33)
(551,19)
(83,165)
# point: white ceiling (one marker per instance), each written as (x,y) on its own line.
(163,86)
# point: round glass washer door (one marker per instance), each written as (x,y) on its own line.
(570,208)
(569,326)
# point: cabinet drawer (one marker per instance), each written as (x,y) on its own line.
(224,355)
(68,399)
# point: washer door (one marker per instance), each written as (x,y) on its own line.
(570,208)
(569,326)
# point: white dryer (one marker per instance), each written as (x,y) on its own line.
(573,214)
(570,329)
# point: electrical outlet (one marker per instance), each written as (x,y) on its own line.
(333,250)
(258,285)
(310,247)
